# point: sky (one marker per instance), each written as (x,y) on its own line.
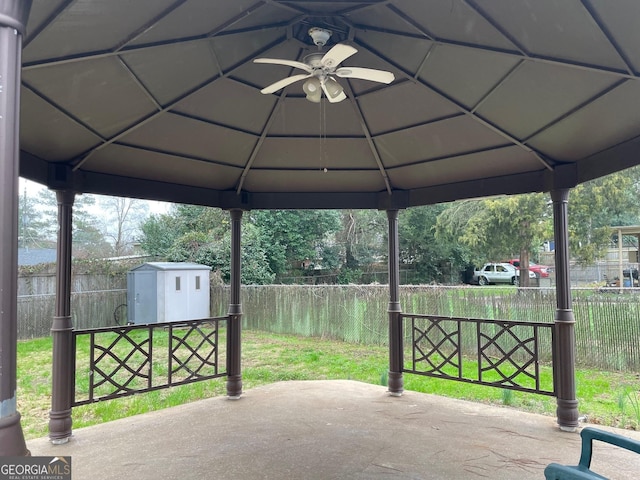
(32,188)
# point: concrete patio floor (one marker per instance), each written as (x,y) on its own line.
(330,430)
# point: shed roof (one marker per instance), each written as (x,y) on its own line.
(166,266)
(161,99)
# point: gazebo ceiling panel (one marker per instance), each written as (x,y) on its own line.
(195,13)
(168,169)
(555,29)
(100,93)
(91,26)
(538,93)
(321,7)
(402,106)
(336,181)
(260,13)
(40,13)
(456,21)
(609,120)
(297,117)
(229,109)
(436,140)
(233,50)
(406,53)
(181,68)
(495,163)
(47,133)
(315,154)
(621,18)
(466,75)
(184,136)
(382,17)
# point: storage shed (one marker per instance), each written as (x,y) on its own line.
(167,291)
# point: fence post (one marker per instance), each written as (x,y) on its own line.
(13,19)
(62,328)
(234,337)
(564,355)
(396,382)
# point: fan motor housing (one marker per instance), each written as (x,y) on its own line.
(314,60)
(320,36)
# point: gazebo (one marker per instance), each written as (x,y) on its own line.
(396,104)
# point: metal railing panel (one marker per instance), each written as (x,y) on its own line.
(498,353)
(115,362)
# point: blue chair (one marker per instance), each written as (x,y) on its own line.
(555,471)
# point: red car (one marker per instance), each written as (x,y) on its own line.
(539,270)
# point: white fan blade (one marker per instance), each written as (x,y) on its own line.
(371,74)
(288,63)
(274,87)
(338,54)
(334,97)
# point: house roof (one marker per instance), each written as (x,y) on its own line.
(160,99)
(35,256)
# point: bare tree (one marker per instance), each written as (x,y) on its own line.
(121,219)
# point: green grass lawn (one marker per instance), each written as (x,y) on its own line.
(608,398)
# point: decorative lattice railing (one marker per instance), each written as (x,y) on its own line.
(120,361)
(498,353)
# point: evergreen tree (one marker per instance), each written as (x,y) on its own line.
(500,227)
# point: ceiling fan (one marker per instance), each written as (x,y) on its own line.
(320,69)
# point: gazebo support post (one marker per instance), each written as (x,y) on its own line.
(564,348)
(62,327)
(396,384)
(234,329)
(13,18)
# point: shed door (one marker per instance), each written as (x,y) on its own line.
(146,297)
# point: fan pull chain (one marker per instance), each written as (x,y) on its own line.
(322,138)
(324,135)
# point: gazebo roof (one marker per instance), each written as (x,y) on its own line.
(161,99)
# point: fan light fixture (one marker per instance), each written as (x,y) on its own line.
(313,89)
(333,90)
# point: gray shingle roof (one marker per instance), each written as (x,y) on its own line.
(35,256)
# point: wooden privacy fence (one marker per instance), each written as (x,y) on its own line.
(607,323)
(90,309)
